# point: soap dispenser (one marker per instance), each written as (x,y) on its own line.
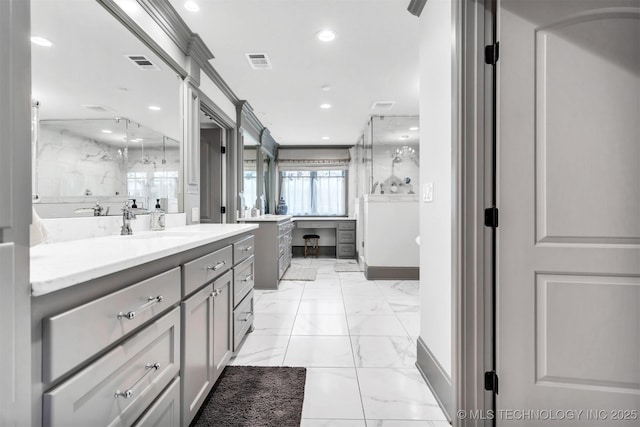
(157,217)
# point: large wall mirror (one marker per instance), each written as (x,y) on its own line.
(250,171)
(107,124)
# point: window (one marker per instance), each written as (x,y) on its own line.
(314,192)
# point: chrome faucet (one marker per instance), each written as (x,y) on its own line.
(97,210)
(127,215)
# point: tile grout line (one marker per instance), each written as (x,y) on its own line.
(355,368)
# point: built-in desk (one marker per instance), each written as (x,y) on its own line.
(342,233)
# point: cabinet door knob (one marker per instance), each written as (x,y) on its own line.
(248,248)
(216,292)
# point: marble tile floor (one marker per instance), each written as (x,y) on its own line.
(357,339)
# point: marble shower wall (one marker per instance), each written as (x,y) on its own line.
(72,166)
(384,170)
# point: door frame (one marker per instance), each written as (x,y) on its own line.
(229,142)
(472,191)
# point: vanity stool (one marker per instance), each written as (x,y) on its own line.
(311,244)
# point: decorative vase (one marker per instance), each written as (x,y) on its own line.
(282,207)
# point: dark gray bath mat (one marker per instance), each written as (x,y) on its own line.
(255,396)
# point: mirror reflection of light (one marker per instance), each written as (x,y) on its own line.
(326,35)
(41,41)
(107,131)
(191,6)
(154,108)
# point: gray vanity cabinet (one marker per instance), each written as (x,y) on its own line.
(222,327)
(208,339)
(197,351)
(165,412)
(119,386)
(143,346)
(346,239)
(273,251)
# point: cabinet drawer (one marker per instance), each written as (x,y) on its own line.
(204,269)
(117,388)
(165,411)
(347,225)
(346,236)
(242,320)
(72,337)
(242,280)
(243,249)
(346,250)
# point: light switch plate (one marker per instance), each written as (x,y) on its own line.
(195,214)
(427,192)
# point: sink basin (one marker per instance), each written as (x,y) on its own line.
(163,235)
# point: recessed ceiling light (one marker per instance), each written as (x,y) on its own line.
(325,137)
(325,106)
(41,41)
(191,6)
(107,131)
(326,35)
(413,128)
(154,108)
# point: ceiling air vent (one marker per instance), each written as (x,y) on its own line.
(383,105)
(98,108)
(259,61)
(143,62)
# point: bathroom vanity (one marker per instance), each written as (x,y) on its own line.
(273,248)
(135,330)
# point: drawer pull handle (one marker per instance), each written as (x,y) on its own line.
(218,266)
(248,278)
(216,292)
(129,392)
(247,248)
(132,314)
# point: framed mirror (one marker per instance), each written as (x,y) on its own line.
(107,114)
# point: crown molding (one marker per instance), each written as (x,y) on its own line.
(171,23)
(198,50)
(248,120)
(163,13)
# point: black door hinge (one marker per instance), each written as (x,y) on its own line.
(491,53)
(223,209)
(223,149)
(491,381)
(491,217)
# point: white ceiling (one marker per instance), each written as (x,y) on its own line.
(374,57)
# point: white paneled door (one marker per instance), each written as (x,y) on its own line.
(569,198)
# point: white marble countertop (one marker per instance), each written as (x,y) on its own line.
(323,218)
(267,218)
(56,266)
